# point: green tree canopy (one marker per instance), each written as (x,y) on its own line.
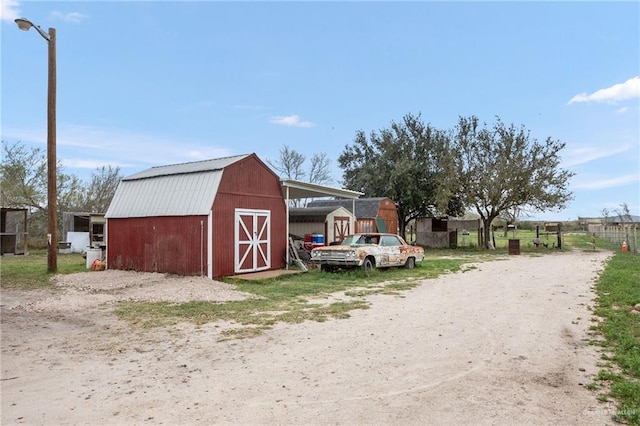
(403,163)
(23,177)
(501,168)
(23,173)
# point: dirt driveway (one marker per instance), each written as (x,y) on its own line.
(505,343)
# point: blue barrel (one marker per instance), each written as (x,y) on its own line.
(317,240)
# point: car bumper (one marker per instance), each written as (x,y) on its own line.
(338,262)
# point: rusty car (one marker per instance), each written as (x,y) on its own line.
(367,251)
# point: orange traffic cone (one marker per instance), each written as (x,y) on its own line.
(624,245)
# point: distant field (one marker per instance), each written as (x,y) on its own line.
(580,240)
(569,240)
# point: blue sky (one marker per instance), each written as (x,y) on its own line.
(147,83)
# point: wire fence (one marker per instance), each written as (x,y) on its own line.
(625,236)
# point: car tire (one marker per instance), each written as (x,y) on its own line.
(411,263)
(367,266)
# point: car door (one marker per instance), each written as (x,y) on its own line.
(391,246)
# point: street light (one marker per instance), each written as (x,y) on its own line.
(52,203)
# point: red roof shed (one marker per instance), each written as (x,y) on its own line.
(217,218)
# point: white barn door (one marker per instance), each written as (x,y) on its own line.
(341,228)
(252,240)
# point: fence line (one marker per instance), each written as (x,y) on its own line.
(618,234)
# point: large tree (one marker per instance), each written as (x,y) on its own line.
(23,173)
(501,168)
(23,176)
(402,162)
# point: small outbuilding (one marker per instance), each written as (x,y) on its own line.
(441,232)
(372,214)
(13,230)
(334,223)
(82,230)
(213,218)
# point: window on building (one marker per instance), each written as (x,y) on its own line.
(439,225)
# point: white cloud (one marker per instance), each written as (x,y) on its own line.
(599,183)
(618,92)
(583,155)
(71,17)
(9,10)
(622,110)
(291,120)
(76,163)
(88,147)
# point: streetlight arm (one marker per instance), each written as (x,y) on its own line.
(25,24)
(42,33)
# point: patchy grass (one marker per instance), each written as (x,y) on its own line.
(618,292)
(289,298)
(30,271)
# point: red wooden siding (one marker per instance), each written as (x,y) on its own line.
(366,225)
(223,230)
(389,213)
(247,184)
(174,245)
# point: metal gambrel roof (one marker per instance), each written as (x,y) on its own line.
(186,189)
(192,167)
(170,195)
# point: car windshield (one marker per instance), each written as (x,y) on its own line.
(350,240)
(359,240)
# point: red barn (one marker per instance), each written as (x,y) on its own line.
(217,218)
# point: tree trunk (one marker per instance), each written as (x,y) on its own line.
(487,232)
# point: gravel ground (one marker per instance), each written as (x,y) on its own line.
(504,343)
(91,289)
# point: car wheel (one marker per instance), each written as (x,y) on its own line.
(367,266)
(411,263)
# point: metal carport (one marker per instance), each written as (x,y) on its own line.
(295,190)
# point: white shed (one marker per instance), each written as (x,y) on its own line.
(334,223)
